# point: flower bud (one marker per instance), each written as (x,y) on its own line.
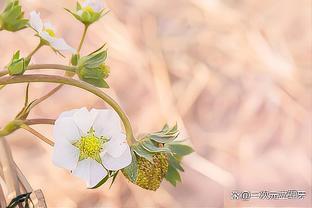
(89,11)
(11,19)
(91,68)
(18,65)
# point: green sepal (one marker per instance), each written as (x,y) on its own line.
(11,19)
(114,178)
(180,149)
(176,163)
(18,65)
(91,68)
(86,17)
(74,59)
(151,147)
(142,152)
(110,174)
(166,135)
(173,176)
(132,170)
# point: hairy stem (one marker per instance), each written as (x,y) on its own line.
(79,84)
(35,50)
(36,121)
(51,66)
(44,66)
(82,38)
(37,134)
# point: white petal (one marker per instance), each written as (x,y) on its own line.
(117,145)
(85,3)
(65,155)
(46,36)
(84,120)
(96,5)
(35,21)
(48,25)
(68,114)
(90,171)
(79,12)
(106,123)
(117,163)
(60,45)
(65,129)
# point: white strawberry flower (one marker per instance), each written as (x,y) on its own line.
(92,6)
(89,143)
(46,31)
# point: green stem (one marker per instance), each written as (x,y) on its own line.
(37,134)
(44,66)
(79,84)
(37,121)
(51,66)
(35,50)
(82,38)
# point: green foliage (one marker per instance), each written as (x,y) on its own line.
(132,170)
(85,16)
(158,156)
(22,200)
(91,68)
(165,135)
(18,65)
(178,151)
(110,174)
(12,17)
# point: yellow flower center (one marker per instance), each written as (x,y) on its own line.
(88,9)
(90,146)
(50,32)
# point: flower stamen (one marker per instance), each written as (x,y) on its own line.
(90,146)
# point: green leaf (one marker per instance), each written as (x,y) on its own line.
(180,149)
(132,170)
(142,152)
(97,82)
(150,146)
(173,176)
(174,162)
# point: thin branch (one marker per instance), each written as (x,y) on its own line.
(82,38)
(37,121)
(44,66)
(83,85)
(37,134)
(43,98)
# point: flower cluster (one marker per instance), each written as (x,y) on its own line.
(92,145)
(46,32)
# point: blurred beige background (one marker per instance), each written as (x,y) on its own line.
(235,74)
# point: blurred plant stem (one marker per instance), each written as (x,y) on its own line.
(36,121)
(37,134)
(44,66)
(82,38)
(35,50)
(83,85)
